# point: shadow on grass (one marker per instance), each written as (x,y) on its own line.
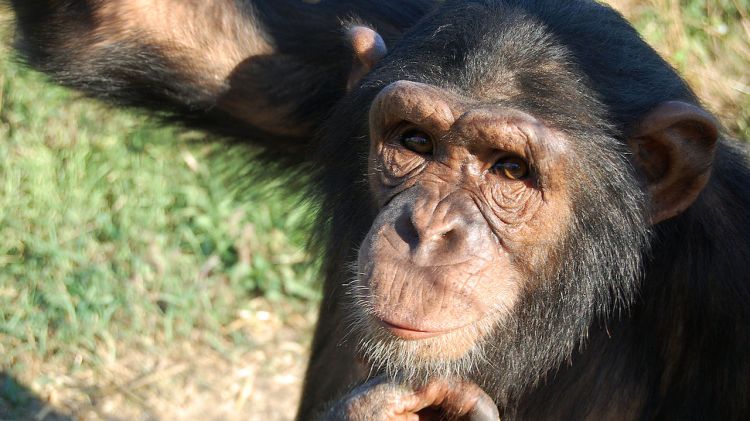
(19,403)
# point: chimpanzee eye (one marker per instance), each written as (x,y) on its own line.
(512,167)
(417,141)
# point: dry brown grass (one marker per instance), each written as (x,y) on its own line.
(197,378)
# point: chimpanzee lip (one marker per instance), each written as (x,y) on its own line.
(411,333)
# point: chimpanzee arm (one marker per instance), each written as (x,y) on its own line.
(266,71)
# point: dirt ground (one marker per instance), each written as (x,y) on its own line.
(195,379)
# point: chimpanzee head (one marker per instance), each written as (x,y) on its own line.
(512,156)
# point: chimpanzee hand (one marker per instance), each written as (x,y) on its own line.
(381,400)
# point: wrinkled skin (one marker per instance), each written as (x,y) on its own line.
(453,228)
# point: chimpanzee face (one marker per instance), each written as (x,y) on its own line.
(469,193)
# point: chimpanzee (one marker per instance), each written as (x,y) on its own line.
(524,210)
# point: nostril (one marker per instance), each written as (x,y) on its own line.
(439,247)
(448,235)
(406,230)
(450,241)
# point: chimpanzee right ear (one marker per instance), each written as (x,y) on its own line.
(674,147)
(368,48)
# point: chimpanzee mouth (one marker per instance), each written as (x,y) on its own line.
(394,339)
(412,303)
(410,333)
(407,352)
(414,337)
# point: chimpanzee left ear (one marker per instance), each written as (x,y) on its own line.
(674,147)
(368,48)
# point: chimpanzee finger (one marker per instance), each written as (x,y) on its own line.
(380,399)
(484,410)
(466,399)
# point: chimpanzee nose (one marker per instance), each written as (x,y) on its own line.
(442,231)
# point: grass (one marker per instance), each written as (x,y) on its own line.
(115,233)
